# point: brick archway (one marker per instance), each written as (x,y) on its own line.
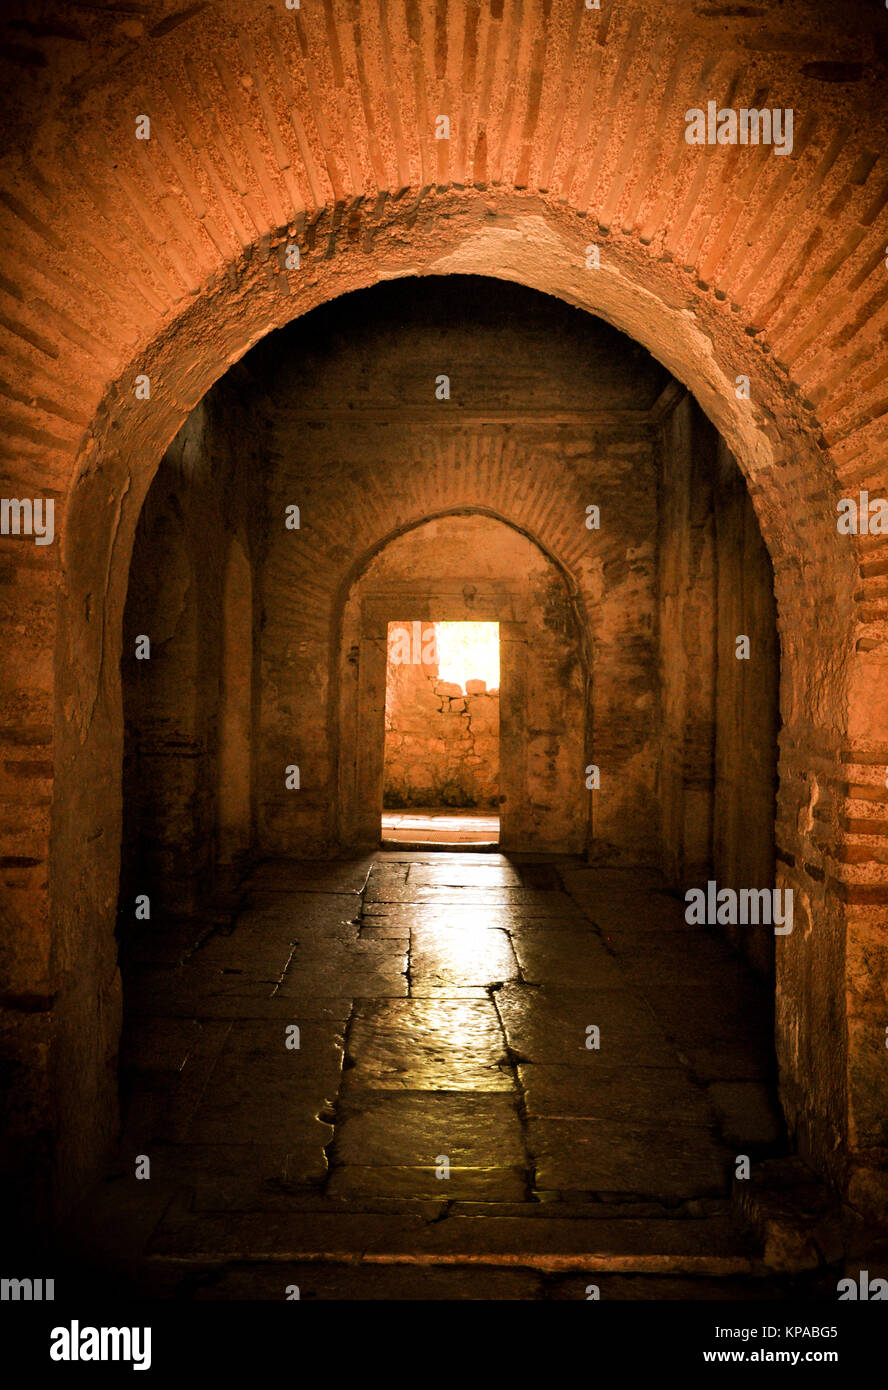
(805,605)
(363,617)
(323,135)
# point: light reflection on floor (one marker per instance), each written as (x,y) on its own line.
(459,985)
(440,826)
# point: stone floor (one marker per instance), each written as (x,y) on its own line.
(439,827)
(445,1125)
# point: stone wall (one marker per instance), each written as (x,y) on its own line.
(441,739)
(747,719)
(548,414)
(718,762)
(682,735)
(686,628)
(189,706)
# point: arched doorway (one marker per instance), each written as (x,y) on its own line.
(754,451)
(473,568)
(604,526)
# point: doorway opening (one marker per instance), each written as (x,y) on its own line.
(441,782)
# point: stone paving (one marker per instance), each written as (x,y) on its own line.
(444,1003)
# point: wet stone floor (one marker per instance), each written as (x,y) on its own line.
(512,1076)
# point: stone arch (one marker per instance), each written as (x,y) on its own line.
(815,593)
(358,692)
(369,553)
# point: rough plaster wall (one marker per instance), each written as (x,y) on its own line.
(441,741)
(546,415)
(235,793)
(204,486)
(747,696)
(687,644)
(719,756)
(166,777)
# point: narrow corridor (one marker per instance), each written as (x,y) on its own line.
(446,1104)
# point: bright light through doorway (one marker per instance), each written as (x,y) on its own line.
(468,651)
(441,758)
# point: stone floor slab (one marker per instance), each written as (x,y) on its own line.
(159,1045)
(471,917)
(630,1094)
(477,1185)
(256,1075)
(413,1129)
(427,1045)
(463,875)
(592,1155)
(367,970)
(289,875)
(319,1281)
(448,956)
(572,959)
(188,989)
(473,896)
(551,1025)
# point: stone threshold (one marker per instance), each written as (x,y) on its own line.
(708,1247)
(442,846)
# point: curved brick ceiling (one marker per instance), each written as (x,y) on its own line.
(322,120)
